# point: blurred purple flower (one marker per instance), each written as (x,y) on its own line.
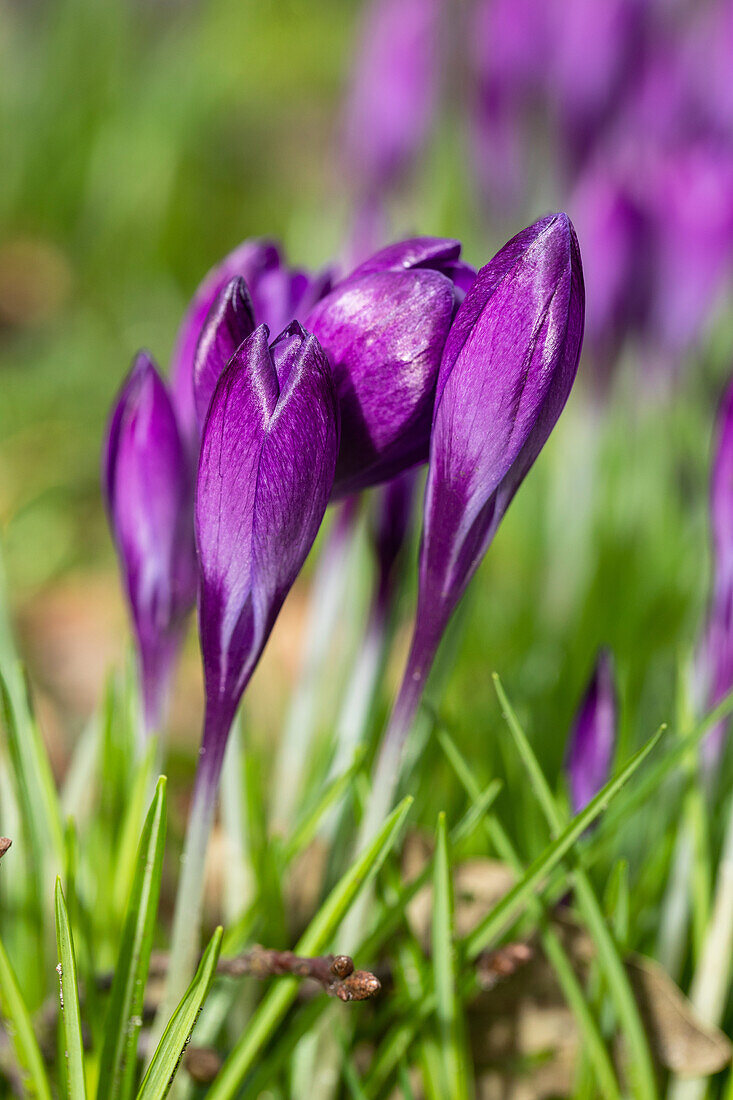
(617,245)
(509,45)
(691,191)
(149,496)
(597,49)
(393,91)
(383,329)
(715,660)
(266,469)
(279,294)
(593,736)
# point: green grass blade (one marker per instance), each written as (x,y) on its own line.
(126,857)
(19,1030)
(592,1038)
(668,764)
(307,827)
(629,1017)
(167,1058)
(118,1062)
(511,904)
(444,977)
(32,769)
(315,939)
(395,1046)
(69,1000)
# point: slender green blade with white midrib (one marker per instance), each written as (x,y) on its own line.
(124,1016)
(167,1058)
(19,1030)
(69,1000)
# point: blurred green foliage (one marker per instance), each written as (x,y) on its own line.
(139,142)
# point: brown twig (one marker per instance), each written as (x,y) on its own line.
(5,843)
(334,973)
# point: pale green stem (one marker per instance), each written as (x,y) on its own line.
(186,933)
(355,710)
(238,878)
(711,980)
(325,608)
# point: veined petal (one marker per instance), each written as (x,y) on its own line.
(229,322)
(268,455)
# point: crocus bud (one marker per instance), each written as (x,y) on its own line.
(149,493)
(266,465)
(229,323)
(278,295)
(507,370)
(384,328)
(593,737)
(266,469)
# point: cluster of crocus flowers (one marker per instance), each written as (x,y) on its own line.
(410,356)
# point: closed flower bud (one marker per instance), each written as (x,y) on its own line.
(229,323)
(507,370)
(278,295)
(384,328)
(266,469)
(593,737)
(149,495)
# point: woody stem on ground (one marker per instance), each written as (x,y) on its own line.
(335,973)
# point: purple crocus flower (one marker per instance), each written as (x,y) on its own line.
(715,661)
(384,328)
(507,369)
(393,92)
(268,456)
(229,323)
(266,466)
(278,294)
(149,495)
(506,373)
(593,737)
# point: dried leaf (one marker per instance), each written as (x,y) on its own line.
(680,1041)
